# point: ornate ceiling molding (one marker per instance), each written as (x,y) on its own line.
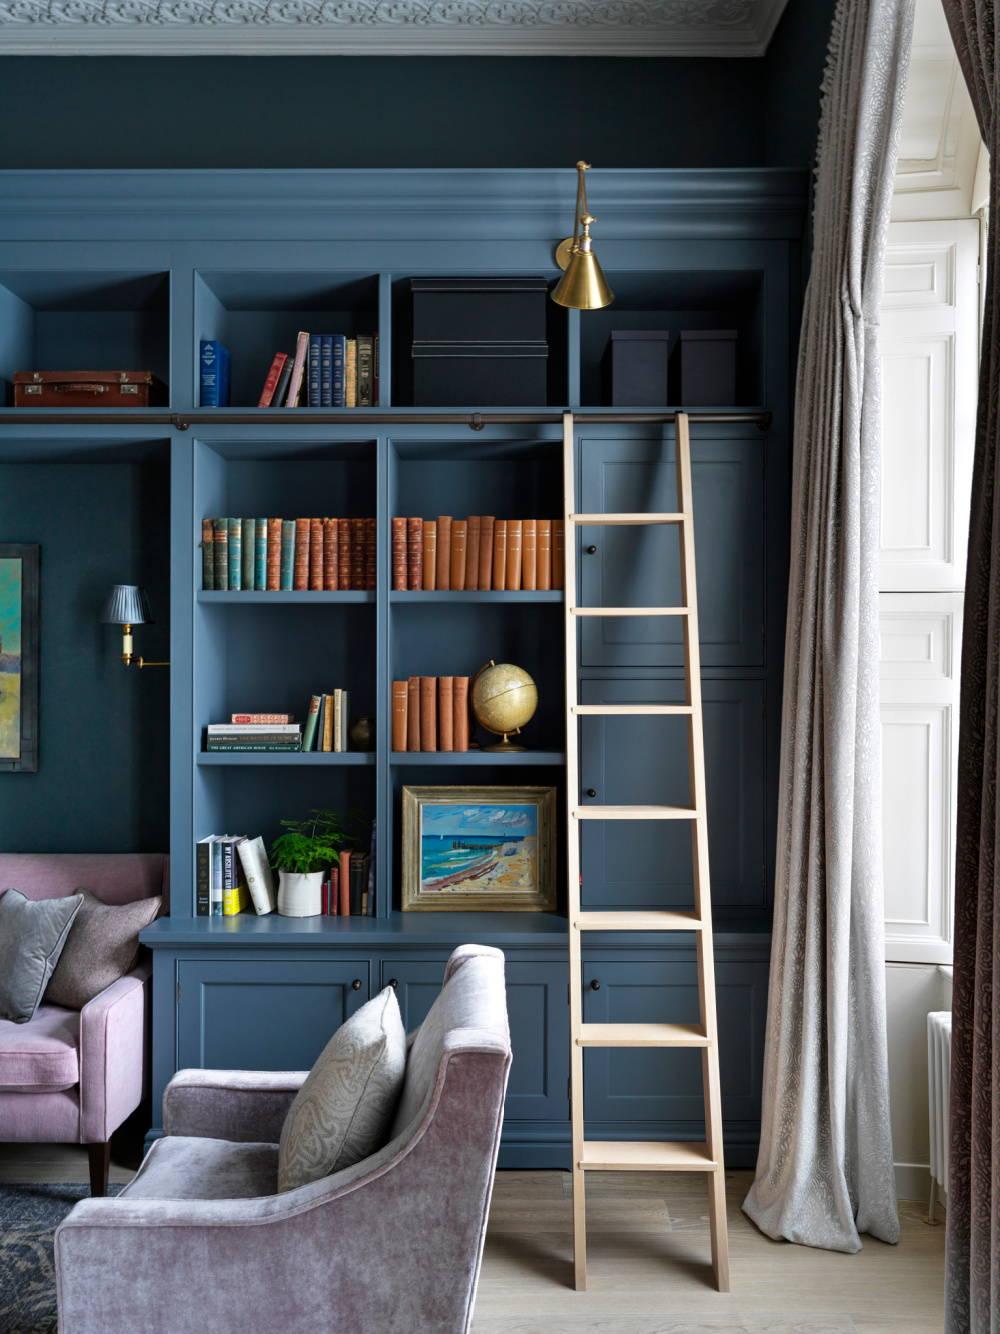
(388,27)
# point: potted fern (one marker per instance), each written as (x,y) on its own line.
(302,856)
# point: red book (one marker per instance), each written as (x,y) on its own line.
(460,698)
(273,554)
(399,554)
(486,522)
(300,566)
(357,553)
(472,536)
(331,532)
(271,383)
(324,898)
(263,719)
(316,555)
(413,713)
(443,576)
(344,898)
(344,553)
(428,713)
(371,555)
(558,553)
(446,716)
(415,553)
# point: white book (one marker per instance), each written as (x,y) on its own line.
(260,882)
(338,715)
(215,900)
(265,729)
(345,717)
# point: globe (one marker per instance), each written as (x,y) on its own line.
(504,698)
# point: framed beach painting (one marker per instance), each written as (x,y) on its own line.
(19,621)
(485,849)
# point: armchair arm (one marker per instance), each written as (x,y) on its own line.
(113,1055)
(244,1106)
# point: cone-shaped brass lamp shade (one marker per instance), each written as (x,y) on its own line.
(583,285)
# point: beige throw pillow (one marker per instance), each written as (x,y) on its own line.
(343,1110)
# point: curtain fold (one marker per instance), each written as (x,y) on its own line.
(972,1265)
(824,1171)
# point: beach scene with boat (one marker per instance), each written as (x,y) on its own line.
(475,849)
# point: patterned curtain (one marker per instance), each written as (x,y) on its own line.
(824,1171)
(972,1273)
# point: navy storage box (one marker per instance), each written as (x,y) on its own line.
(479,341)
(703,369)
(635,368)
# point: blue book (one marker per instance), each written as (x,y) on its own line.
(214,374)
(249,550)
(313,390)
(287,553)
(260,556)
(326,371)
(235,553)
(338,397)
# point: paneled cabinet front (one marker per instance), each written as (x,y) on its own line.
(266,1014)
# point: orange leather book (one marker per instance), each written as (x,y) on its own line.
(430,554)
(513,577)
(413,713)
(558,553)
(316,555)
(499,554)
(399,555)
(529,554)
(543,556)
(460,713)
(428,713)
(485,551)
(358,558)
(415,554)
(344,888)
(331,547)
(443,579)
(343,553)
(399,715)
(472,551)
(446,720)
(303,547)
(274,553)
(327,737)
(371,554)
(459,529)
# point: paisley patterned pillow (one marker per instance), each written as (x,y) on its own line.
(343,1111)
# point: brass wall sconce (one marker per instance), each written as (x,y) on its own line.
(583,285)
(128,605)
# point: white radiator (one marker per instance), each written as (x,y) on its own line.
(939,1085)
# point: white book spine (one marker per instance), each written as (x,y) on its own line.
(338,717)
(345,717)
(258,873)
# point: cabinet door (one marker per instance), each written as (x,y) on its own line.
(640,566)
(539,1029)
(267,1014)
(641,1084)
(631,759)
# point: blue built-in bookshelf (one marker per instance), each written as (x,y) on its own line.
(130,270)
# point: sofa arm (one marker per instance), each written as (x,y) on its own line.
(113,1055)
(244,1106)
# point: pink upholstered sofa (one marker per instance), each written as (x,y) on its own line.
(73,1076)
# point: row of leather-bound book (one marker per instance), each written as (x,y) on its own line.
(430,713)
(481,552)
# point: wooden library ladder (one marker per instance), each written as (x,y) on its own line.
(643,1156)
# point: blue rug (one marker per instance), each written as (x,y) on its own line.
(29,1216)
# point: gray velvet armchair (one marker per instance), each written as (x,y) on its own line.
(199,1240)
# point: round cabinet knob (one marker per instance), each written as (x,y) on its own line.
(591,550)
(591,792)
(595,985)
(393,982)
(356,984)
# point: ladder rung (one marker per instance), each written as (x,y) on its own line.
(635,813)
(614,520)
(631,708)
(628,611)
(646,1156)
(643,1035)
(637,921)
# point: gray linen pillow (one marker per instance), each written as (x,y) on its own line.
(102,946)
(32,936)
(343,1110)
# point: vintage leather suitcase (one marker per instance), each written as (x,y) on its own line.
(88,389)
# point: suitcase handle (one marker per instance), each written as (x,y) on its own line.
(66,388)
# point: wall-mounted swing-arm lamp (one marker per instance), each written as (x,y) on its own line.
(128,605)
(583,285)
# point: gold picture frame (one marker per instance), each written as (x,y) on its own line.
(479,849)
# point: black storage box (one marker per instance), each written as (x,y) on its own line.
(479,341)
(635,368)
(703,369)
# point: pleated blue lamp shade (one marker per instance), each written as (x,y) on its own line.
(127,604)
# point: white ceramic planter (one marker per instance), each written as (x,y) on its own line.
(300,895)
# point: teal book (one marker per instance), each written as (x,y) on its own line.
(220,530)
(248,540)
(312,718)
(208,564)
(235,554)
(260,556)
(287,553)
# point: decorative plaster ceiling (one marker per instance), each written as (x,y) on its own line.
(389,27)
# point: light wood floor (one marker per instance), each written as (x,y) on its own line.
(648,1259)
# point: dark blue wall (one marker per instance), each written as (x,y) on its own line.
(102,781)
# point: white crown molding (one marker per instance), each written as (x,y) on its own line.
(723,28)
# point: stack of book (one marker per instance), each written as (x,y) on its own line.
(284,554)
(231,873)
(349,890)
(324,371)
(431,713)
(480,552)
(327,721)
(252,733)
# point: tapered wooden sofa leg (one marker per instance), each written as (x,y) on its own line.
(100,1163)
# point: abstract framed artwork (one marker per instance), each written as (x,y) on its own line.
(479,849)
(20,587)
